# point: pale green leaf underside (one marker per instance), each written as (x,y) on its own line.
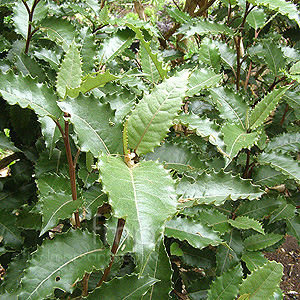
(263,282)
(246,223)
(69,75)
(59,264)
(152,117)
(140,193)
(194,232)
(217,188)
(258,241)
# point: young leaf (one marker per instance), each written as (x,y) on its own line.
(201,79)
(27,92)
(194,232)
(254,259)
(257,241)
(263,282)
(69,75)
(207,188)
(263,108)
(128,287)
(142,191)
(225,287)
(150,121)
(283,163)
(62,262)
(95,124)
(246,223)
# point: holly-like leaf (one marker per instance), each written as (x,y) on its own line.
(231,105)
(258,241)
(293,99)
(256,18)
(267,176)
(61,263)
(225,287)
(152,117)
(142,191)
(217,188)
(263,108)
(95,124)
(285,142)
(128,287)
(246,223)
(283,163)
(201,79)
(263,282)
(285,211)
(88,50)
(27,92)
(69,75)
(254,259)
(194,232)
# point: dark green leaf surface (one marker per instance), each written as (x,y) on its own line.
(246,223)
(286,142)
(254,259)
(258,241)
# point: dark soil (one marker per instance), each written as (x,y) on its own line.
(289,256)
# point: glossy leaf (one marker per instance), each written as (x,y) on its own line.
(217,188)
(286,142)
(141,191)
(95,124)
(153,115)
(209,54)
(225,287)
(254,259)
(257,241)
(256,18)
(194,232)
(285,211)
(246,223)
(64,263)
(293,227)
(263,282)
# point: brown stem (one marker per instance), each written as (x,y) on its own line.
(85,284)
(248,76)
(4,162)
(245,175)
(203,9)
(284,115)
(114,248)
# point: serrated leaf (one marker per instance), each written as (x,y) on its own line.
(69,75)
(217,188)
(265,175)
(237,138)
(6,144)
(27,92)
(256,18)
(285,211)
(178,15)
(225,287)
(50,56)
(258,241)
(263,282)
(285,142)
(254,259)
(141,192)
(64,263)
(95,124)
(88,50)
(128,287)
(159,267)
(293,100)
(91,82)
(283,163)
(153,115)
(246,223)
(194,232)
(231,105)
(262,109)
(201,79)
(293,227)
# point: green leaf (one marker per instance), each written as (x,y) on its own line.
(294,71)
(267,176)
(225,287)
(231,105)
(95,124)
(283,163)
(285,211)
(254,259)
(263,282)
(293,100)
(6,144)
(69,75)
(159,268)
(50,56)
(293,227)
(246,223)
(256,18)
(201,79)
(62,262)
(88,50)
(262,109)
(128,287)
(141,192)
(237,138)
(194,232)
(285,142)
(217,188)
(257,241)
(27,92)
(150,121)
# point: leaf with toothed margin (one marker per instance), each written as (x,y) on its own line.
(144,196)
(6,143)
(217,188)
(152,117)
(246,223)
(95,124)
(27,92)
(62,262)
(258,241)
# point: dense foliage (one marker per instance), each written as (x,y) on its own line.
(153,155)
